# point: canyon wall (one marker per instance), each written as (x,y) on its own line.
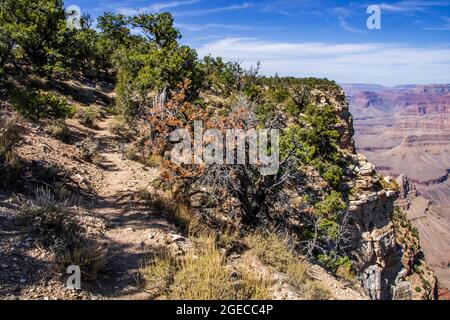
(405,132)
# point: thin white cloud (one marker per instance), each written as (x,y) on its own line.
(172,4)
(209,26)
(156,7)
(444,27)
(347,63)
(412,5)
(199,12)
(343,14)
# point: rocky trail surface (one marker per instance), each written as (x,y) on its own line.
(130,228)
(134,230)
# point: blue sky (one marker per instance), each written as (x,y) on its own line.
(322,38)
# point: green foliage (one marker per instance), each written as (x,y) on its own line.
(87,117)
(331,205)
(36,28)
(59,130)
(90,150)
(329,211)
(345,269)
(222,78)
(327,232)
(313,141)
(114,27)
(35,105)
(158,28)
(6,46)
(341,265)
(321,135)
(154,65)
(10,137)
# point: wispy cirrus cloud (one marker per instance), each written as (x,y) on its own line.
(198,12)
(209,26)
(412,5)
(342,15)
(156,7)
(388,64)
(443,27)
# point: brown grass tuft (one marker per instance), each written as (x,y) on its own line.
(201,275)
(90,258)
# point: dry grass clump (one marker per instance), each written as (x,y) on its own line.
(90,150)
(275,249)
(90,258)
(88,117)
(201,275)
(154,161)
(297,275)
(10,137)
(158,273)
(317,291)
(272,248)
(56,228)
(131,153)
(252,288)
(178,213)
(119,127)
(59,130)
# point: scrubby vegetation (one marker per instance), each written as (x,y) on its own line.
(37,105)
(201,275)
(59,129)
(89,150)
(275,249)
(159,86)
(10,137)
(88,117)
(57,227)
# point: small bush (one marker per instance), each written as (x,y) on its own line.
(54,226)
(59,130)
(90,150)
(130,153)
(272,249)
(158,273)
(330,205)
(178,213)
(119,127)
(154,161)
(90,258)
(297,275)
(37,105)
(88,117)
(317,291)
(345,269)
(201,275)
(10,137)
